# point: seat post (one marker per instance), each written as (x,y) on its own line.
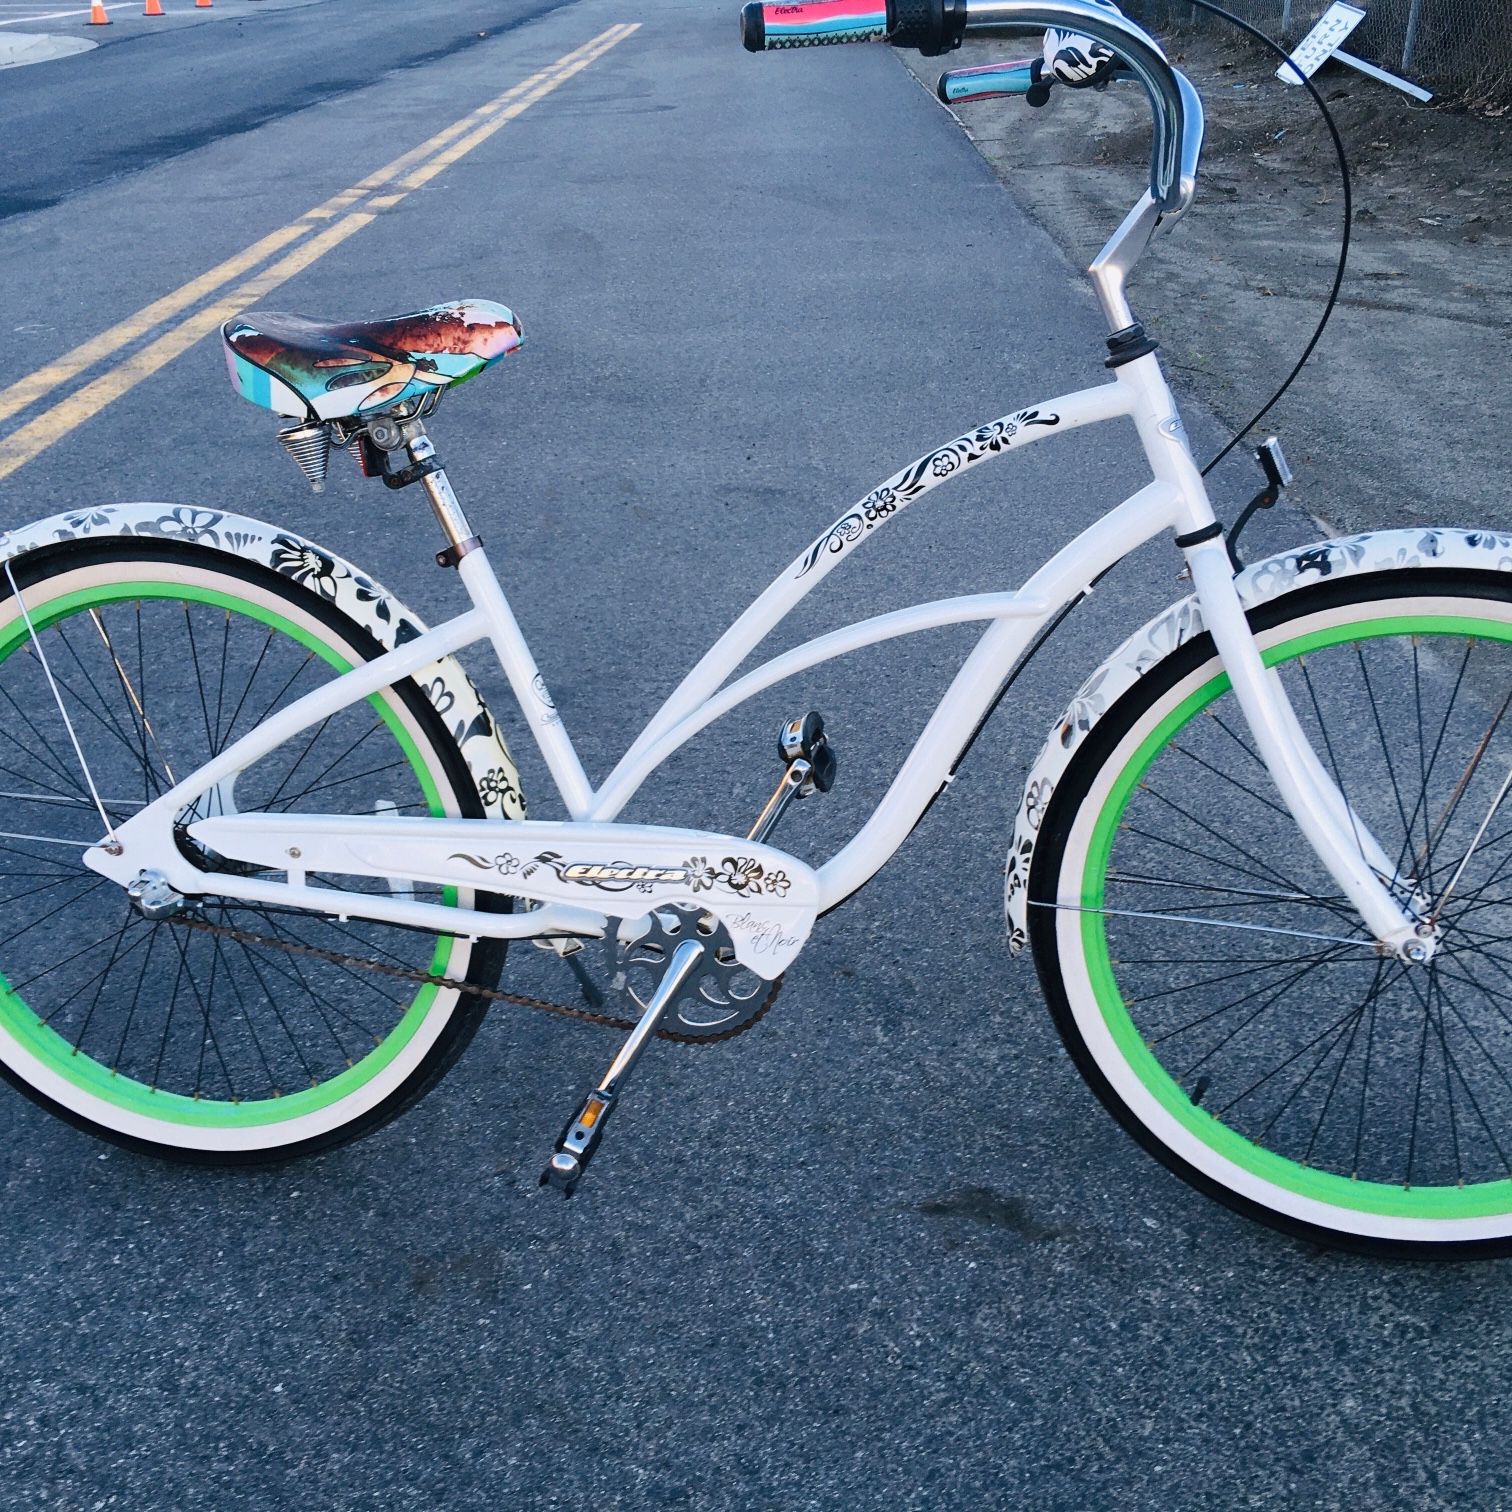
(425,468)
(446,507)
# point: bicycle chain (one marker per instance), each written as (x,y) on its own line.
(493,994)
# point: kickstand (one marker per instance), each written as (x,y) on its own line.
(592,995)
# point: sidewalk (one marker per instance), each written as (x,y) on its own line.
(17,49)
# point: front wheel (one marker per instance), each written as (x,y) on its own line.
(1213,986)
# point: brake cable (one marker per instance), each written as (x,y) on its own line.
(1344,241)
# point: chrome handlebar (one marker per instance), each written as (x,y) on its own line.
(1175,103)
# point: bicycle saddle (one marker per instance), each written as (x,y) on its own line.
(320,370)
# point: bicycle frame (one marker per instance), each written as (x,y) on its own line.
(1175,500)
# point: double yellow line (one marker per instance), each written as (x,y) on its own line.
(310,237)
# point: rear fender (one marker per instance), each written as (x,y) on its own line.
(448,687)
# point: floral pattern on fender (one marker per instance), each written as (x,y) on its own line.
(445,683)
(1376,551)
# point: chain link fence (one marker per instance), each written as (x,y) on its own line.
(1462,49)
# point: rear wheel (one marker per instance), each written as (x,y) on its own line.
(153,1034)
(1217,991)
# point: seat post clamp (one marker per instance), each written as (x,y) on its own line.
(402,477)
(450,556)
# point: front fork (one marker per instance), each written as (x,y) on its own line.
(1352,855)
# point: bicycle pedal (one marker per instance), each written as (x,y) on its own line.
(804,739)
(578,1142)
(810,766)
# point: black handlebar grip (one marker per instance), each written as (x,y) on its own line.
(931,26)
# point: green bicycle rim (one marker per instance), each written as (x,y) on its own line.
(1480,1200)
(88,1074)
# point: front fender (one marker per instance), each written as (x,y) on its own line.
(1348,556)
(336,580)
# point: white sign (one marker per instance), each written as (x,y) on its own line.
(1319,45)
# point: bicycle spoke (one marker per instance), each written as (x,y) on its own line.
(1173,918)
(1274,993)
(1198,855)
(1232,781)
(67,774)
(100,978)
(241,702)
(1280,964)
(135,711)
(1222,839)
(199,680)
(379,771)
(1328,750)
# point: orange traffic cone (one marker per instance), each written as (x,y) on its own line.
(154,8)
(97,16)
(202,4)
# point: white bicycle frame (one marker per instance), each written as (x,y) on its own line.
(1175,500)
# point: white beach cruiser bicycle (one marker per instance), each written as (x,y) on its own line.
(265,844)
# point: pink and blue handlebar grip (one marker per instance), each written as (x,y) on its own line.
(931,26)
(991,81)
(814,23)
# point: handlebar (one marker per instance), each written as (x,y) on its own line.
(937,26)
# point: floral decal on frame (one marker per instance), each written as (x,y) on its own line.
(920,476)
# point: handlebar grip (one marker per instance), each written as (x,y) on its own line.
(931,26)
(990,81)
(813,23)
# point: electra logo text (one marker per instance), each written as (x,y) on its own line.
(583,871)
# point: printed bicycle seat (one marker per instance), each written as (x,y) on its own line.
(323,370)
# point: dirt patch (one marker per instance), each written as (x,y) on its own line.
(1402,418)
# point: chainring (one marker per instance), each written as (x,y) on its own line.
(720,999)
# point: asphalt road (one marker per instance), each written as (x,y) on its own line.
(158,89)
(885,1251)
